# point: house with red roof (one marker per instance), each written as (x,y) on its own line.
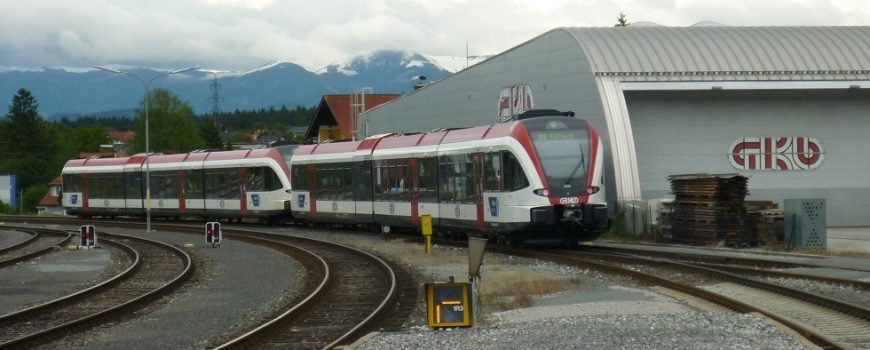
(50,202)
(337,115)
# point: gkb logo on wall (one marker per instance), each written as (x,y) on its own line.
(514,100)
(776,153)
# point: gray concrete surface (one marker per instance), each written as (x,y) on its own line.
(10,238)
(50,276)
(849,239)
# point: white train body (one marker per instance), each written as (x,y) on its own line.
(533,179)
(231,184)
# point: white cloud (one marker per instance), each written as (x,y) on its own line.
(243,34)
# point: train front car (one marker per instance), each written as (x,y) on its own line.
(567,158)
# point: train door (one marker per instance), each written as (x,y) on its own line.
(478,189)
(363,188)
(182,206)
(312,191)
(85,194)
(426,187)
(133,191)
(243,191)
(415,197)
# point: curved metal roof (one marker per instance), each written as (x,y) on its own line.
(723,50)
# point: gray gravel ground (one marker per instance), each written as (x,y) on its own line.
(603,312)
(10,238)
(681,330)
(51,276)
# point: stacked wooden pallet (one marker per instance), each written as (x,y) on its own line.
(708,209)
(765,219)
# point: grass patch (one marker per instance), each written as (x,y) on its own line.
(509,290)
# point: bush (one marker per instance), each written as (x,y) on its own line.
(5,208)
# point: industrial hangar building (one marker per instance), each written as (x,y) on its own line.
(789,107)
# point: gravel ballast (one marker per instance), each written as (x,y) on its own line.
(600,311)
(681,330)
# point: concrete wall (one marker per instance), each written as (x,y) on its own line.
(692,131)
(7,190)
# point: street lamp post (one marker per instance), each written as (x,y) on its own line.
(147,133)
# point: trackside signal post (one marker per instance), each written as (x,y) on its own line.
(449,304)
(87,237)
(213,233)
(452,304)
(426,229)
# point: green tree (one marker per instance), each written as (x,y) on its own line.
(88,138)
(28,148)
(621,21)
(171,123)
(210,133)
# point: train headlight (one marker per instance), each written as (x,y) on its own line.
(543,192)
(593,189)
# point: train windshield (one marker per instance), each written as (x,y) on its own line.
(562,145)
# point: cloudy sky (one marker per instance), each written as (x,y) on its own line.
(244,34)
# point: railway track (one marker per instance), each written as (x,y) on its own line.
(157,269)
(828,322)
(352,291)
(41,242)
(347,292)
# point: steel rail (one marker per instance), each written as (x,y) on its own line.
(811,334)
(84,293)
(271,324)
(33,236)
(35,253)
(25,341)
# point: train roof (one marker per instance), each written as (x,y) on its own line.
(139,159)
(390,141)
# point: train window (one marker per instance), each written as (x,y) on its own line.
(271,181)
(164,184)
(514,177)
(133,183)
(428,172)
(231,184)
(392,180)
(346,192)
(193,184)
(71,183)
(222,183)
(106,186)
(492,171)
(381,179)
(325,190)
(255,179)
(457,178)
(363,181)
(300,177)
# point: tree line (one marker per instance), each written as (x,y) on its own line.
(35,150)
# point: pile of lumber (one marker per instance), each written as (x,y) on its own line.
(709,209)
(765,220)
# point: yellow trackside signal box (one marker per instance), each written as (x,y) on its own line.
(449,304)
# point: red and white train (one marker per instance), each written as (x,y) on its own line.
(534,179)
(231,184)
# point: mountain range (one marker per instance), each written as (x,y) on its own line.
(76,92)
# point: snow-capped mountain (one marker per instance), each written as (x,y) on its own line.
(71,92)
